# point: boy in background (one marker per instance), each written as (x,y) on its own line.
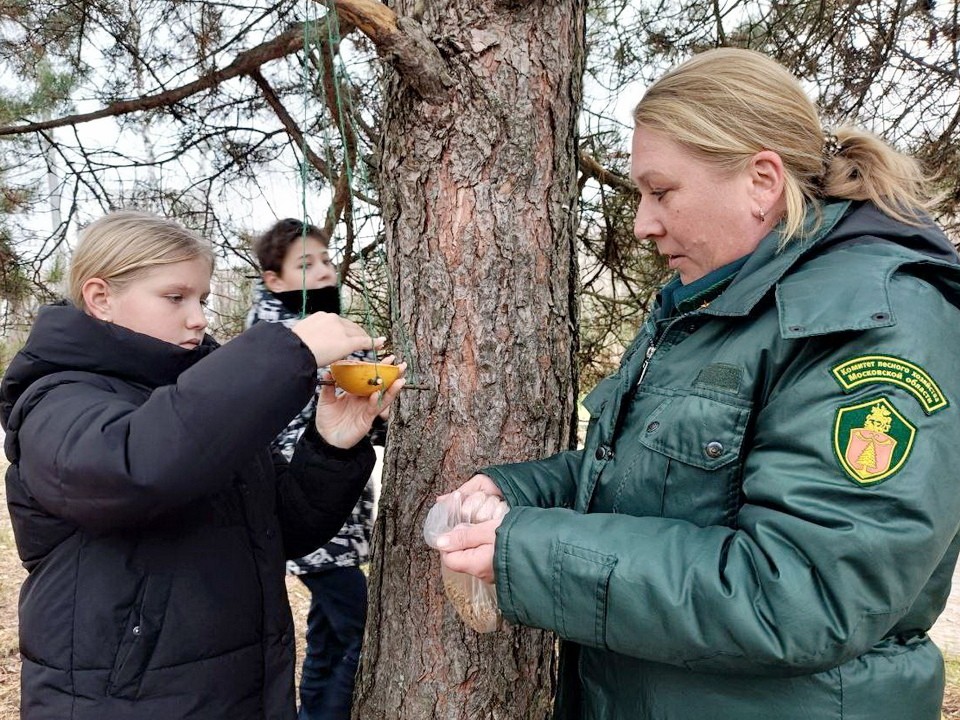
(294,257)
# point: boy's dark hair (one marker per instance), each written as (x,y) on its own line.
(271,247)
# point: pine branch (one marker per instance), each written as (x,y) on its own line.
(289,124)
(403,43)
(245,63)
(592,168)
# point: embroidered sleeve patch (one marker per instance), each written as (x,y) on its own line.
(872,440)
(889,369)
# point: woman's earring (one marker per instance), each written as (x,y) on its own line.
(762,214)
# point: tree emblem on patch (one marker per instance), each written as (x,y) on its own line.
(872,440)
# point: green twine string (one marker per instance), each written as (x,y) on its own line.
(308,33)
(344,109)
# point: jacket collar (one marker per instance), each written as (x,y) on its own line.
(66,338)
(286,307)
(769,263)
(854,237)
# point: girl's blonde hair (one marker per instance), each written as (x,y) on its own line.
(123,246)
(727,104)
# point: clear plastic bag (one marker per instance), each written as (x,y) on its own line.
(474,600)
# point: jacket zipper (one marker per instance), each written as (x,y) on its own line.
(651,349)
(654,344)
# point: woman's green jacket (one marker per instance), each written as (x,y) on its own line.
(763,521)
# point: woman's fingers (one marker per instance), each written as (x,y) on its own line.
(466,536)
(478,482)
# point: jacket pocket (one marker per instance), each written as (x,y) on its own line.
(581,579)
(697,444)
(139,638)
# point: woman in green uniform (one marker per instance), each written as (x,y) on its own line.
(763,521)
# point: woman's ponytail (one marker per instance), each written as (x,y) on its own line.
(858,165)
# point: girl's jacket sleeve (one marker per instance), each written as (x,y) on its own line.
(104,460)
(816,569)
(312,512)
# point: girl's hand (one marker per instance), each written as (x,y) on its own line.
(331,337)
(343,420)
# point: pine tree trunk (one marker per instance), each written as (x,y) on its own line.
(479,200)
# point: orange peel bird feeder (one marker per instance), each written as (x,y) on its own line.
(363,378)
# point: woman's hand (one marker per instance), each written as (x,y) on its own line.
(469,548)
(478,482)
(343,420)
(331,337)
(479,506)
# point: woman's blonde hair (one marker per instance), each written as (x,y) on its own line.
(727,104)
(124,245)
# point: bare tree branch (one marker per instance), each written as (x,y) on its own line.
(290,125)
(245,63)
(402,42)
(592,168)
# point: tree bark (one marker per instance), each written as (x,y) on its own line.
(479,200)
(402,42)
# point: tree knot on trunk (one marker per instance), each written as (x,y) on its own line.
(418,61)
